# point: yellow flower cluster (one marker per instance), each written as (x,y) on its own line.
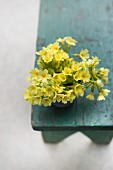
(60,78)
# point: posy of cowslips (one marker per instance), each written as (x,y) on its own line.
(60,78)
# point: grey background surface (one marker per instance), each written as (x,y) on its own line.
(21,148)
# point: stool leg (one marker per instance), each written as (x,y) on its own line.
(55,136)
(99,137)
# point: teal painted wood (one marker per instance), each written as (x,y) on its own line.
(91,23)
(99,137)
(55,136)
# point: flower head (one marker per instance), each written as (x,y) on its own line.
(76,67)
(65,98)
(28,96)
(105,92)
(90,96)
(47,58)
(42,92)
(49,91)
(79,90)
(34,72)
(59,97)
(99,83)
(42,52)
(78,76)
(105,79)
(62,40)
(67,71)
(104,71)
(85,76)
(95,60)
(55,46)
(44,76)
(72,96)
(56,79)
(84,54)
(46,102)
(84,64)
(65,55)
(62,77)
(38,100)
(101,97)
(58,89)
(32,88)
(71,41)
(59,57)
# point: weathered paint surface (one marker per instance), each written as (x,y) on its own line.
(91,23)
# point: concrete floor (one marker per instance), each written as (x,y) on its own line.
(21,148)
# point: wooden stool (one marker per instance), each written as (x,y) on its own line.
(91,23)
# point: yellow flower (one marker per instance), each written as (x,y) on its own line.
(54,99)
(55,78)
(84,54)
(105,92)
(104,71)
(72,97)
(34,73)
(35,81)
(101,97)
(33,89)
(30,78)
(76,67)
(30,100)
(78,76)
(83,64)
(50,52)
(65,98)
(59,57)
(49,91)
(59,97)
(95,60)
(62,40)
(90,62)
(54,47)
(38,100)
(99,83)
(79,90)
(90,96)
(94,72)
(105,79)
(42,92)
(65,55)
(43,75)
(39,62)
(67,71)
(47,58)
(68,92)
(62,77)
(85,76)
(42,52)
(28,96)
(58,89)
(46,102)
(71,41)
